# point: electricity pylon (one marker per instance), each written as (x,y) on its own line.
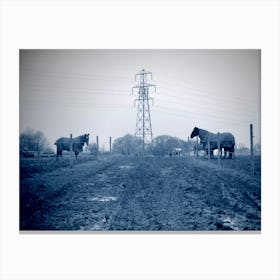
(143,119)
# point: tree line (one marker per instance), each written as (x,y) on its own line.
(129,145)
(33,141)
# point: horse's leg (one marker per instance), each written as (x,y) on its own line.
(231,151)
(225,153)
(57,154)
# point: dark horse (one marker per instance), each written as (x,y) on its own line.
(227,141)
(63,143)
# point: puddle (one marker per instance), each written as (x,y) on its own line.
(103,198)
(231,223)
(125,166)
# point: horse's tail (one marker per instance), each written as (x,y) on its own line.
(233,141)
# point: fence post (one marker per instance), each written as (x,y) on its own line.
(71,151)
(252,150)
(219,146)
(208,145)
(97,147)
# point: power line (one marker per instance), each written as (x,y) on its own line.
(205,95)
(69,75)
(190,105)
(203,115)
(197,98)
(62,103)
(208,106)
(185,85)
(92,90)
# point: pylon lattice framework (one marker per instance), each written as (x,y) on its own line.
(143,119)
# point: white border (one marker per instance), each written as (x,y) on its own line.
(190,24)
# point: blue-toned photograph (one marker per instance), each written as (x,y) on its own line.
(165,140)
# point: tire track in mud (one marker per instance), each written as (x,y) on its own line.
(160,195)
(156,199)
(131,214)
(95,198)
(203,197)
(244,204)
(239,207)
(50,201)
(150,193)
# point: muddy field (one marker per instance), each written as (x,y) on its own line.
(134,193)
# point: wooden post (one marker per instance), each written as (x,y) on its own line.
(110,140)
(71,151)
(208,145)
(219,146)
(196,150)
(252,150)
(97,147)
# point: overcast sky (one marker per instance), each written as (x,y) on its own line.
(89,91)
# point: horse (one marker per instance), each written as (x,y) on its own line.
(227,141)
(63,143)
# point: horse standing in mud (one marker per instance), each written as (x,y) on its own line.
(63,143)
(227,141)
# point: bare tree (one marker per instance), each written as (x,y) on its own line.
(164,144)
(35,141)
(127,145)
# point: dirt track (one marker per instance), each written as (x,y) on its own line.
(133,193)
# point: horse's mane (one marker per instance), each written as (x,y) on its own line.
(203,134)
(77,140)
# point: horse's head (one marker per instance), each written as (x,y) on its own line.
(195,132)
(85,138)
